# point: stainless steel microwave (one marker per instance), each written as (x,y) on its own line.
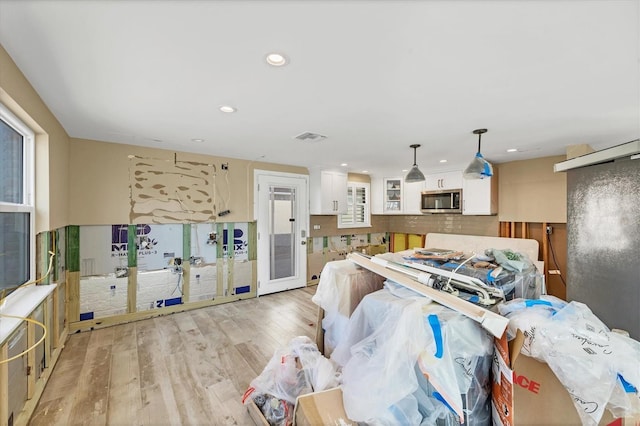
(442,201)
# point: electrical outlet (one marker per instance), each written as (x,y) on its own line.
(225,166)
(549,230)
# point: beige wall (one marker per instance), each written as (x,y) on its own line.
(529,191)
(100,182)
(51,145)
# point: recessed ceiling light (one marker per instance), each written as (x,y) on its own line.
(344,164)
(227,108)
(197,140)
(405,170)
(365,171)
(512,150)
(443,161)
(276,59)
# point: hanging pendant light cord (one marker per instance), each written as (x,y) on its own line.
(414,157)
(479,139)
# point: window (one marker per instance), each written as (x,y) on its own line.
(358,213)
(17,240)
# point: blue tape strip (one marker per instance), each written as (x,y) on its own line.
(245,289)
(174,301)
(437,334)
(474,299)
(452,265)
(628,387)
(86,316)
(440,398)
(529,303)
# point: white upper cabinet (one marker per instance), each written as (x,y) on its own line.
(446,180)
(394,196)
(480,196)
(412,194)
(377,195)
(328,192)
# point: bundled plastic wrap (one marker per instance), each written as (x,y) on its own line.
(406,361)
(581,351)
(457,362)
(378,354)
(342,286)
(296,370)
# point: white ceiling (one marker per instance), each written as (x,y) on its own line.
(373,76)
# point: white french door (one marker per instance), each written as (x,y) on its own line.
(282,216)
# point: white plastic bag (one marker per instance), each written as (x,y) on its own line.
(598,368)
(296,370)
(379,353)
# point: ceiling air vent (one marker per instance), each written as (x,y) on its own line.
(310,137)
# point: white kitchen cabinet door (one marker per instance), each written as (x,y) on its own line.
(446,180)
(480,196)
(393,196)
(412,194)
(377,195)
(328,192)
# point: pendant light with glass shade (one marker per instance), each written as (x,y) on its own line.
(479,168)
(414,175)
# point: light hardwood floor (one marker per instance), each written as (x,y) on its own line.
(189,368)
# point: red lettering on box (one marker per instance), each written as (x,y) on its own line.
(524,382)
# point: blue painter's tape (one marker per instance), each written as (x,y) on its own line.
(530,302)
(86,316)
(437,334)
(440,398)
(628,387)
(245,289)
(452,265)
(474,299)
(174,301)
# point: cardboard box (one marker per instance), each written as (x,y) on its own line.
(256,415)
(321,408)
(527,392)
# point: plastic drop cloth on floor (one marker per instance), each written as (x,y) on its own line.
(409,361)
(342,286)
(292,371)
(598,368)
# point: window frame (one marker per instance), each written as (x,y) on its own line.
(28,181)
(367,206)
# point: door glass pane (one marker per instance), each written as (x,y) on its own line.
(14,247)
(11,165)
(282,231)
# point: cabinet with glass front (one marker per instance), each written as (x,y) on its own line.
(393,196)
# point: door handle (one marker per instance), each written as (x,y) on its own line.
(303,242)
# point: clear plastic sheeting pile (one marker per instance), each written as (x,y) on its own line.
(408,361)
(599,368)
(293,371)
(342,286)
